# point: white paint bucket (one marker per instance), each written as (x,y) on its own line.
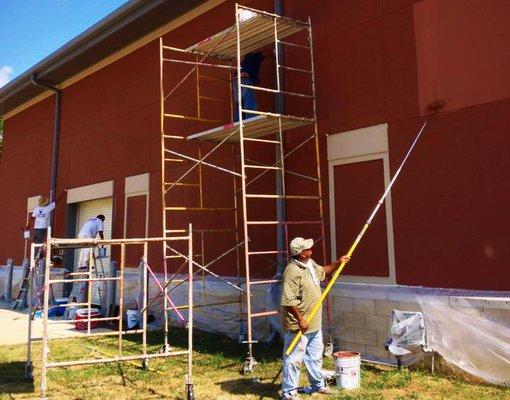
(347,368)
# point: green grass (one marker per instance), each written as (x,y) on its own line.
(217,374)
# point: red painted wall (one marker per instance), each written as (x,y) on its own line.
(136,214)
(462,48)
(356,185)
(376,62)
(449,204)
(24,172)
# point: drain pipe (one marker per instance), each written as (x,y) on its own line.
(56,136)
(280,202)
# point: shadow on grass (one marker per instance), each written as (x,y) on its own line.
(211,344)
(12,378)
(244,386)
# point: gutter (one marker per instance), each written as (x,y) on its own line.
(56,135)
(280,202)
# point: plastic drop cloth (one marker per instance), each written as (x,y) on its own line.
(471,342)
(406,336)
(222,318)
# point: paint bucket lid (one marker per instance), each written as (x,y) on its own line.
(346,354)
(83,312)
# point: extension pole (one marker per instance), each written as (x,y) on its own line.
(356,242)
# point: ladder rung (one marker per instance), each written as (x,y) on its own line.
(293,44)
(262,167)
(265,89)
(267,252)
(214,78)
(261,140)
(193,118)
(264,314)
(199,209)
(176,160)
(264,282)
(174,137)
(173,256)
(296,69)
(211,98)
(281,196)
(182,184)
(282,222)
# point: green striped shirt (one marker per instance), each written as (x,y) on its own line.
(299,289)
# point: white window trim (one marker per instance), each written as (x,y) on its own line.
(360,145)
(90,192)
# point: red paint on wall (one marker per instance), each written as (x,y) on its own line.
(371,57)
(450,202)
(136,210)
(357,186)
(462,48)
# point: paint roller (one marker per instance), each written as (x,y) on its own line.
(431,109)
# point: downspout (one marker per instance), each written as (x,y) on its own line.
(56,136)
(280,202)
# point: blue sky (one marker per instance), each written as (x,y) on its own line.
(30,30)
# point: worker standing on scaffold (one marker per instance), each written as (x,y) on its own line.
(42,218)
(250,70)
(300,292)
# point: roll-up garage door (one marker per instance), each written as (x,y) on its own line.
(90,209)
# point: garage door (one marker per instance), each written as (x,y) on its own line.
(90,209)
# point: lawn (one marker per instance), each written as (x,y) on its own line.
(217,375)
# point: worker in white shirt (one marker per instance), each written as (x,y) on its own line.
(42,215)
(89,230)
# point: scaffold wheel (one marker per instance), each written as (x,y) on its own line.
(29,372)
(190,393)
(249,365)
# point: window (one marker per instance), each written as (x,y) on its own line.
(358,165)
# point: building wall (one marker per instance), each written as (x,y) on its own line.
(376,62)
(384,62)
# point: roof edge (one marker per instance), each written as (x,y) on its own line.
(102,28)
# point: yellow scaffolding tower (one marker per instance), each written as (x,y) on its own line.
(89,277)
(253,30)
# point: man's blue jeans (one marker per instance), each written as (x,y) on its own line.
(248,99)
(308,349)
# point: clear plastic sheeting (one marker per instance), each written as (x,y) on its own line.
(216,308)
(468,340)
(406,339)
(273,298)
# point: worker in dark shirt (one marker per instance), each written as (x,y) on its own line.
(251,65)
(250,69)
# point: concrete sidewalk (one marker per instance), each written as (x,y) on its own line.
(14,327)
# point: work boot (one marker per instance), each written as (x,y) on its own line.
(324,390)
(291,397)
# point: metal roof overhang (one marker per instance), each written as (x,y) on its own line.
(122,27)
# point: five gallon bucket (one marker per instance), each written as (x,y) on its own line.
(347,368)
(82,316)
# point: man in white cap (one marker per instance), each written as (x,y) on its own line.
(42,218)
(300,292)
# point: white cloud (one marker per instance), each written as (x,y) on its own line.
(5,74)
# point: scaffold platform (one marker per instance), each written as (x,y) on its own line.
(255,32)
(255,127)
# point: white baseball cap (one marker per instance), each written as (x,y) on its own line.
(297,245)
